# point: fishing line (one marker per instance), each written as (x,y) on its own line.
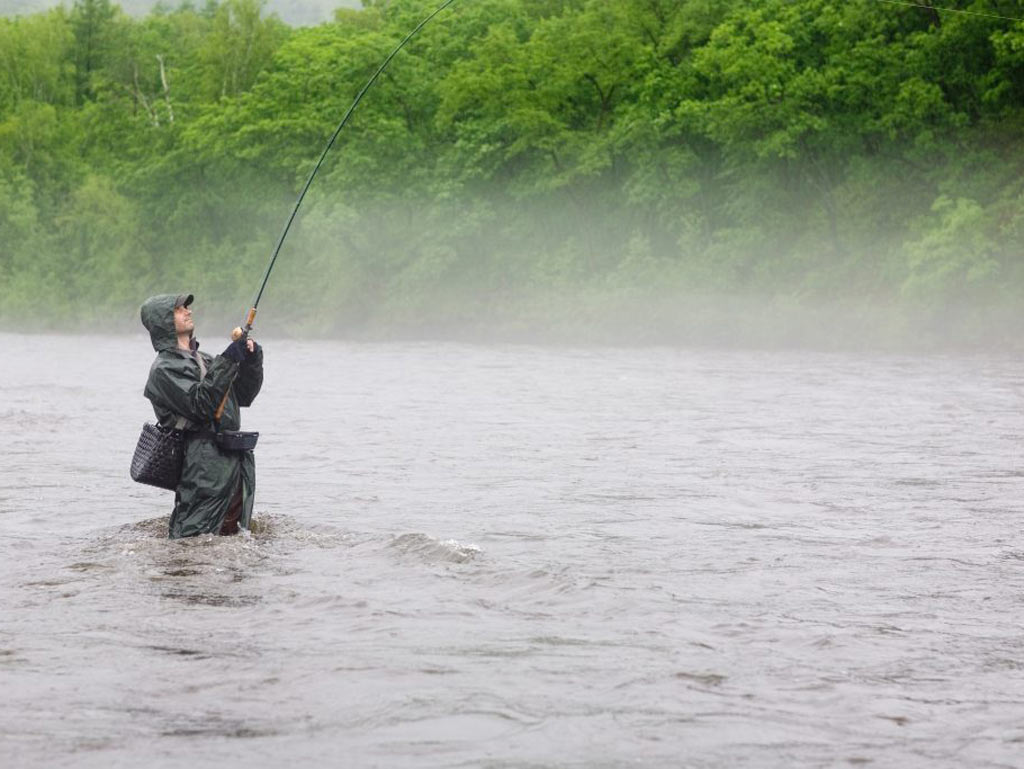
(320,162)
(941,9)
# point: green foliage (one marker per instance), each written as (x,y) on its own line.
(956,253)
(92,24)
(563,158)
(35,60)
(237,47)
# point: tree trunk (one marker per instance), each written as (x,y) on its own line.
(167,88)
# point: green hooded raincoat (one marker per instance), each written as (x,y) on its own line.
(210,476)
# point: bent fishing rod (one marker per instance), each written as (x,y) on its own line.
(251,317)
(242,332)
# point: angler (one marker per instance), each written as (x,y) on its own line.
(196,447)
(201,395)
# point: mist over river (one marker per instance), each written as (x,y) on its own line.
(470,556)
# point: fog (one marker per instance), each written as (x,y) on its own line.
(421,272)
(494,271)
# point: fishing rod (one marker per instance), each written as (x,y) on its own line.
(250,318)
(242,332)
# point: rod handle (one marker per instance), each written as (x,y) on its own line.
(240,332)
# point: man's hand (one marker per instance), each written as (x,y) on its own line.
(235,351)
(250,344)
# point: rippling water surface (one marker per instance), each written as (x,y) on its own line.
(523,557)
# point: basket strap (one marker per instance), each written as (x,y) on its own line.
(202,367)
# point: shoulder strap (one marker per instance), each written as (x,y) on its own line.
(202,365)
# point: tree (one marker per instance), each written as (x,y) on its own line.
(33,59)
(239,46)
(91,22)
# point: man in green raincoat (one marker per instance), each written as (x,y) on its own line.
(186,387)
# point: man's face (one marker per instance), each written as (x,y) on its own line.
(183,320)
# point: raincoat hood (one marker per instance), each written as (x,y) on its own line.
(158,317)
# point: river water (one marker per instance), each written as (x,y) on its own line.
(523,557)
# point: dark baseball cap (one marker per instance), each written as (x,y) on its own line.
(183,300)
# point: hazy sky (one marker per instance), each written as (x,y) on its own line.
(292,11)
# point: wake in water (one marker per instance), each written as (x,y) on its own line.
(211,569)
(281,532)
(433,550)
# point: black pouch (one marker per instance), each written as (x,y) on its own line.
(236,440)
(158,456)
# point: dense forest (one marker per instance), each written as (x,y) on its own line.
(609,170)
